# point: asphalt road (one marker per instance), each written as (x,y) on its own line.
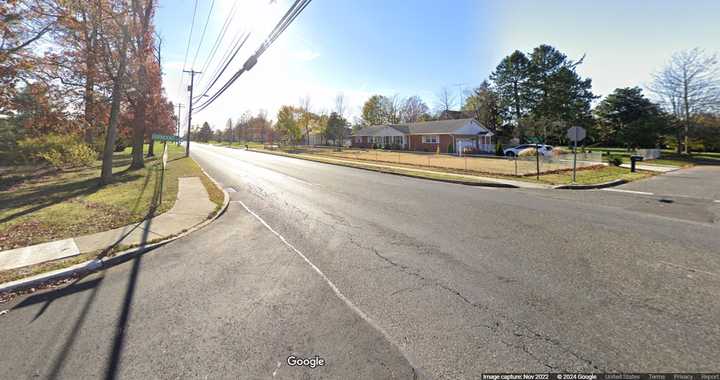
(386,276)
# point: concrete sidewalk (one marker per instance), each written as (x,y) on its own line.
(192,207)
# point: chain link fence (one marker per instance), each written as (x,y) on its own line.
(517,166)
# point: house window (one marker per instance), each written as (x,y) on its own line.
(397,140)
(433,139)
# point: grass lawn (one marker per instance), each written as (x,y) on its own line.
(668,157)
(38,204)
(593,176)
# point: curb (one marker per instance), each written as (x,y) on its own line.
(603,185)
(94,265)
(458,182)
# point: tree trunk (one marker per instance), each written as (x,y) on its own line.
(151,148)
(107,162)
(139,123)
(89,98)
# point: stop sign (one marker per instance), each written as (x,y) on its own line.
(576,134)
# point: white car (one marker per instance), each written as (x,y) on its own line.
(545,150)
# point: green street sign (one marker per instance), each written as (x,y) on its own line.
(159,137)
(534,139)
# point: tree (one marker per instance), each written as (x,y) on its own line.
(22,25)
(373,112)
(115,38)
(228,133)
(543,89)
(205,133)
(707,132)
(142,12)
(337,129)
(445,102)
(305,117)
(484,104)
(391,109)
(510,79)
(413,109)
(288,124)
(688,86)
(340,104)
(628,118)
(556,92)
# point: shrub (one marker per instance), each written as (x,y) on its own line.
(450,148)
(615,160)
(10,134)
(60,151)
(499,149)
(529,152)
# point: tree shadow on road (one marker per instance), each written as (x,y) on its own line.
(112,364)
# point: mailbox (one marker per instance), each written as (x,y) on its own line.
(633,160)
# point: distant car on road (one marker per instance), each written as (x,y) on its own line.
(545,150)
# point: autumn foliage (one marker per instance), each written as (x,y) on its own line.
(83,68)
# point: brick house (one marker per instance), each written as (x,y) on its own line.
(461,134)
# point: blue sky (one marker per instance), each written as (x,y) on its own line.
(404,47)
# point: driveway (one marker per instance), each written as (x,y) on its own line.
(702,182)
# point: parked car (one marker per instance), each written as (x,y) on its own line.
(545,150)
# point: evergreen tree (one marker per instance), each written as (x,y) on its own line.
(628,118)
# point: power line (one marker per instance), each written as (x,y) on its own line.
(292,13)
(202,35)
(187,49)
(219,39)
(227,57)
(227,63)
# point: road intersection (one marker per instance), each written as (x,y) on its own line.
(385,276)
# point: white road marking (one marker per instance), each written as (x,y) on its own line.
(629,191)
(276,369)
(689,269)
(327,280)
(230,190)
(717,201)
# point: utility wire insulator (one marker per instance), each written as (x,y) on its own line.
(250,63)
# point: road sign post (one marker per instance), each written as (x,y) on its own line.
(164,139)
(575,134)
(536,140)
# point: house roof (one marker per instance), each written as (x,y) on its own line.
(381,130)
(438,127)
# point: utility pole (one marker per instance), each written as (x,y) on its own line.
(177,129)
(190,88)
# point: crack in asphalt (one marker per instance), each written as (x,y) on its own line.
(529,334)
(533,334)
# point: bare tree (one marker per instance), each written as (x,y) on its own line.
(340,104)
(445,101)
(391,108)
(305,116)
(413,109)
(688,86)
